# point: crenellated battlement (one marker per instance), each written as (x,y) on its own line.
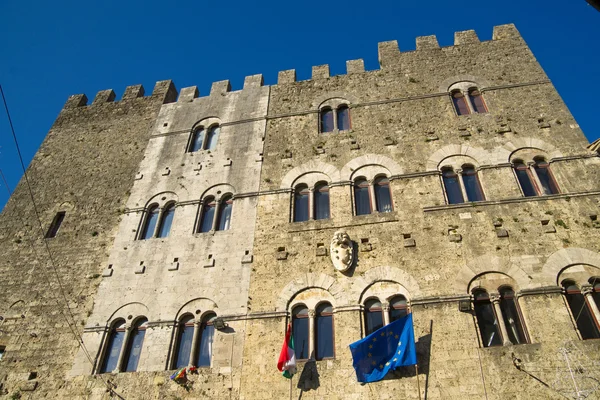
(389,55)
(164,89)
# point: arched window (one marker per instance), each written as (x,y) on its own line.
(524,178)
(343,118)
(471,182)
(166,221)
(300,331)
(486,319)
(206,340)
(383,198)
(212,137)
(225,213)
(398,308)
(301,194)
(150,223)
(324,339)
(208,215)
(134,345)
(460,103)
(477,101)
(113,347)
(511,316)
(542,169)
(361,197)
(584,319)
(321,196)
(326,119)
(373,316)
(185,335)
(452,186)
(197,140)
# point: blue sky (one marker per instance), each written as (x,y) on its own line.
(50,50)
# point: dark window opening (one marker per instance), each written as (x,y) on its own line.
(150,225)
(197,140)
(321,201)
(326,120)
(134,347)
(212,138)
(324,345)
(460,103)
(300,332)
(486,319)
(596,290)
(373,316)
(452,186)
(383,198)
(208,215)
(301,203)
(542,168)
(184,342)
(512,316)
(55,225)
(398,308)
(166,221)
(361,197)
(582,314)
(471,182)
(225,214)
(524,177)
(113,348)
(343,118)
(477,101)
(206,341)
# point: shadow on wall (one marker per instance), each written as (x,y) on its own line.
(309,378)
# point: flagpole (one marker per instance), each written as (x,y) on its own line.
(418,383)
(292,377)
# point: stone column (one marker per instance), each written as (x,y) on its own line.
(158,222)
(372,199)
(195,344)
(536,180)
(311,203)
(495,299)
(587,291)
(385,306)
(311,334)
(463,190)
(119,367)
(216,216)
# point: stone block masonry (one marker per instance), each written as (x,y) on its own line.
(112,166)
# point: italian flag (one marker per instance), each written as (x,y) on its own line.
(287,357)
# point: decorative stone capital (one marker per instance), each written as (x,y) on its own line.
(495,298)
(587,289)
(386,306)
(312,313)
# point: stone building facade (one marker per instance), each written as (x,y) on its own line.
(466,188)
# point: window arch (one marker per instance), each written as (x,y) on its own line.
(116,335)
(362,197)
(204,356)
(324,336)
(334,116)
(185,336)
(373,316)
(207,214)
(535,178)
(300,327)
(135,342)
(462,184)
(467,98)
(166,220)
(225,209)
(383,197)
(580,310)
(301,200)
(487,320)
(150,222)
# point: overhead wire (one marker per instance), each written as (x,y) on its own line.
(73,329)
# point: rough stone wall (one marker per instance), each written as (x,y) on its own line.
(85,167)
(403,125)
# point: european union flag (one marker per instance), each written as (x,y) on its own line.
(387,348)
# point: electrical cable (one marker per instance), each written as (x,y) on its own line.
(78,337)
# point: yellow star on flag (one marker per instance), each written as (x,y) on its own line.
(369,355)
(387,363)
(395,359)
(374,363)
(382,333)
(370,346)
(374,339)
(396,337)
(380,365)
